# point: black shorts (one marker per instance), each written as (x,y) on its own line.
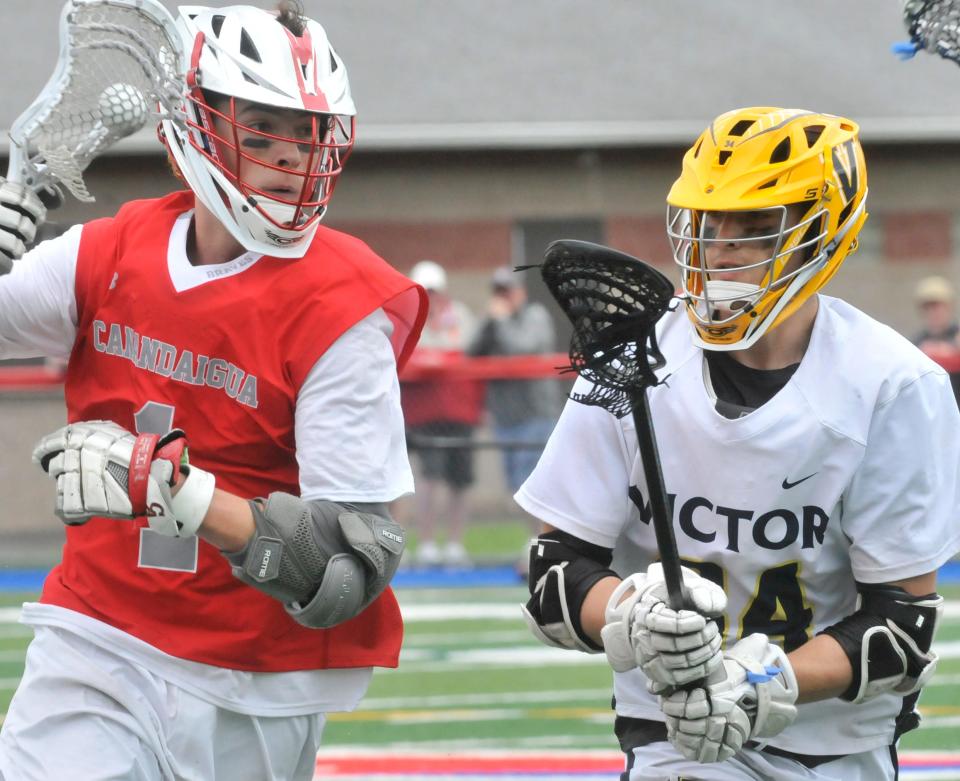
(453,465)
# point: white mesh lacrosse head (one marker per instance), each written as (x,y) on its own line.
(119,60)
(934,26)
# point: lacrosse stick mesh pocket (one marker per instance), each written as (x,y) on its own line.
(117,63)
(934,26)
(613,301)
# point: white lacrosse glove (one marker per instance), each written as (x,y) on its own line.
(21,213)
(673,648)
(103,470)
(752,696)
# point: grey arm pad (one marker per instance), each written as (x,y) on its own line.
(325,561)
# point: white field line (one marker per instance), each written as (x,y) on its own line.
(469,611)
(436,596)
(421,660)
(556,695)
(433,639)
(949,650)
(490,698)
(359,751)
(458,745)
(476,715)
(599,714)
(943,680)
(939,722)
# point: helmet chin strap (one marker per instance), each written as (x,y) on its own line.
(727,297)
(282,212)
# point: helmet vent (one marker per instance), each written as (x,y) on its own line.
(723,156)
(842,217)
(765,185)
(696,152)
(216,23)
(247,47)
(741,127)
(813,133)
(781,152)
(333,61)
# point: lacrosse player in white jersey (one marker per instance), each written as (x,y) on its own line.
(811,456)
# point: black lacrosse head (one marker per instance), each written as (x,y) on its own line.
(613,301)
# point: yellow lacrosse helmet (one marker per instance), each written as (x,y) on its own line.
(806,170)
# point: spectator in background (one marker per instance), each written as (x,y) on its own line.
(935,297)
(437,411)
(940,337)
(523,411)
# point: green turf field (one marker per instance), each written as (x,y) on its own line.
(471,677)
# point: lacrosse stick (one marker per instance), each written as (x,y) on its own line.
(613,302)
(119,62)
(934,26)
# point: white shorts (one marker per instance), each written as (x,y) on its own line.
(660,761)
(83,712)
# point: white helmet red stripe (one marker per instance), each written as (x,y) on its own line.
(244,53)
(303,53)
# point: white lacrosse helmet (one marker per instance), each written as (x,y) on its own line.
(242,52)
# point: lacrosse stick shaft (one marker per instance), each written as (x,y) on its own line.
(659,504)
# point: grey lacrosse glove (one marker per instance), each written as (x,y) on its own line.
(103,470)
(672,647)
(752,696)
(325,561)
(21,213)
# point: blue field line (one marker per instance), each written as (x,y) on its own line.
(458,577)
(22,579)
(425,577)
(446,577)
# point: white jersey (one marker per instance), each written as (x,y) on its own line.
(850,473)
(38,317)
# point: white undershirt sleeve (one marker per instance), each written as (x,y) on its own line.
(38,302)
(349,426)
(581,483)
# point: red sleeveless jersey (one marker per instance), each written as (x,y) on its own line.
(223,361)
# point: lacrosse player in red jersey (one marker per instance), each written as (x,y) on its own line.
(811,456)
(209,611)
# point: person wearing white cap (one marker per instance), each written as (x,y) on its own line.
(441,414)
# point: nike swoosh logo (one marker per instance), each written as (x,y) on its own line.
(787,485)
